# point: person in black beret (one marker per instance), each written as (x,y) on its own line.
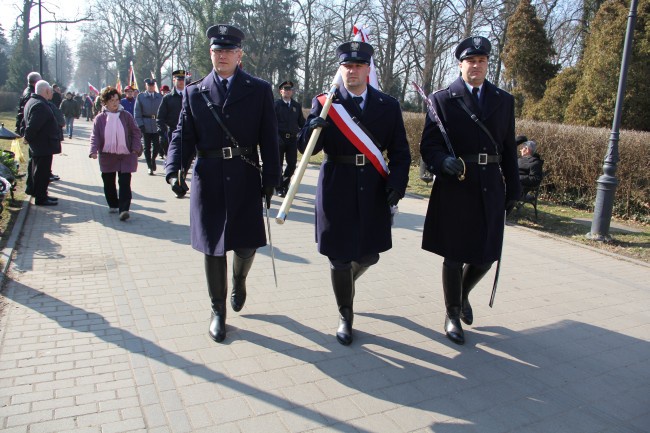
(356,191)
(474,185)
(228,185)
(290,120)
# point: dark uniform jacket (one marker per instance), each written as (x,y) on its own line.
(169,110)
(530,171)
(352,216)
(290,120)
(20,126)
(225,194)
(42,130)
(465,219)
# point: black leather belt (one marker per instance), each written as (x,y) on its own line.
(358,159)
(225,152)
(153,116)
(482,158)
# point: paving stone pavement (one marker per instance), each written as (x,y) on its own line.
(104,329)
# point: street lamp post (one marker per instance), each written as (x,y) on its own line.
(607,182)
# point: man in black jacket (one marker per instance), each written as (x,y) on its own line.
(170,108)
(530,167)
(290,121)
(43,135)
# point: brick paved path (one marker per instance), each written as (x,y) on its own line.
(105,330)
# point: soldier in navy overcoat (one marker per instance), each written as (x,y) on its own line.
(353,200)
(465,218)
(290,121)
(227,186)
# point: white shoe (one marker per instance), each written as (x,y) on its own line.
(113,210)
(124,215)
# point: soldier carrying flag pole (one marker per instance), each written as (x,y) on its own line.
(356,187)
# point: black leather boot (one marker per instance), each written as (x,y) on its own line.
(215,275)
(240,268)
(343,285)
(451,284)
(357,271)
(472,274)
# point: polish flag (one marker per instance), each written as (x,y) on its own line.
(92,88)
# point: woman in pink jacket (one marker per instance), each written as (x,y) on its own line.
(116,139)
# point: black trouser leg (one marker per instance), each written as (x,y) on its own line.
(124,180)
(291,155)
(472,274)
(343,284)
(155,143)
(42,166)
(241,264)
(147,150)
(29,182)
(451,285)
(216,277)
(110,192)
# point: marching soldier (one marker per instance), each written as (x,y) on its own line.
(476,179)
(146,109)
(224,118)
(290,120)
(355,187)
(170,108)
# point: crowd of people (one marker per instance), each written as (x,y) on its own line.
(237,137)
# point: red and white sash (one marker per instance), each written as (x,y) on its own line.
(356,135)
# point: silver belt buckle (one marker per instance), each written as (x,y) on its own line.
(482,159)
(359,159)
(287,135)
(226,152)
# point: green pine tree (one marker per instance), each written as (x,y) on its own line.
(595,98)
(526,55)
(559,90)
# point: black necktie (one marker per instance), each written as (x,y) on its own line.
(358,100)
(475,94)
(224,85)
(289,105)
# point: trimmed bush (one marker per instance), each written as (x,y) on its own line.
(573,160)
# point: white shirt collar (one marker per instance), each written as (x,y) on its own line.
(470,87)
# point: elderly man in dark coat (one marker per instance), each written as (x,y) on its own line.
(465,219)
(354,196)
(43,135)
(32,79)
(227,188)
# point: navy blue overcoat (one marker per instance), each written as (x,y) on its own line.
(352,216)
(226,194)
(464,220)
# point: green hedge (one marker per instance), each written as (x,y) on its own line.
(573,160)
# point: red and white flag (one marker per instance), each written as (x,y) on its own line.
(132,81)
(361,35)
(92,88)
(118,86)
